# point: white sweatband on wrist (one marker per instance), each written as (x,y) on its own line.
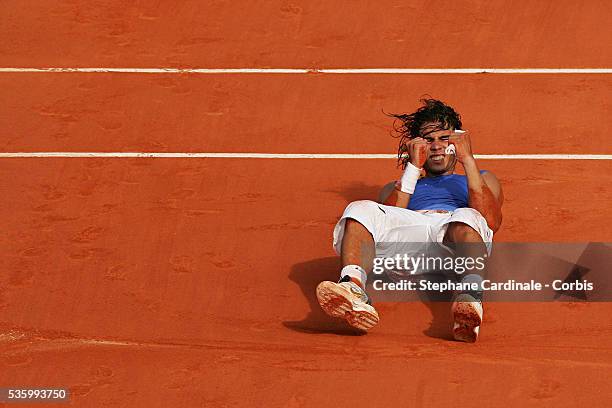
(451,148)
(354,271)
(409,178)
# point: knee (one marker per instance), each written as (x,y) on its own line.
(460,232)
(365,212)
(365,207)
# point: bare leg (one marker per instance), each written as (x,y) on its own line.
(467,242)
(357,246)
(347,299)
(460,232)
(467,307)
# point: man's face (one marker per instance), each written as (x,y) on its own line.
(437,161)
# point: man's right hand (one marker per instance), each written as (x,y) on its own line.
(417,150)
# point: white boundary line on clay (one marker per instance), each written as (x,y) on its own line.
(309,70)
(215,155)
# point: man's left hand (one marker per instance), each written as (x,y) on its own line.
(463,146)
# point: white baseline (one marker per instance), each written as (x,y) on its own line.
(221,155)
(309,70)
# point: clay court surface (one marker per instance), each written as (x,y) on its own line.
(159,282)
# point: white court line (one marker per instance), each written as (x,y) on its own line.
(314,70)
(204,155)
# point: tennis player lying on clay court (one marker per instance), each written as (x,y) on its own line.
(429,204)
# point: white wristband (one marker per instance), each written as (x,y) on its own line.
(409,178)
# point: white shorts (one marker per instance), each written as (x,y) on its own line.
(391,225)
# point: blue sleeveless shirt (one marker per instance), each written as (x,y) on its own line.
(440,193)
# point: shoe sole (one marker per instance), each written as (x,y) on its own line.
(337,301)
(467,316)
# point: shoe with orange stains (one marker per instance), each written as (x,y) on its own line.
(347,300)
(467,317)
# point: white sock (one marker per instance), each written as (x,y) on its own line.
(355,271)
(473,278)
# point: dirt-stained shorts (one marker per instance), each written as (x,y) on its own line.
(392,225)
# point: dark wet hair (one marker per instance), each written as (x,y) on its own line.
(433,111)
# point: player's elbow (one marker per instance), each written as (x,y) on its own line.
(385,194)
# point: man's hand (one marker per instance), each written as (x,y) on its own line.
(463,146)
(417,150)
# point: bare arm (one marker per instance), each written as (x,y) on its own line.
(484,194)
(392,195)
